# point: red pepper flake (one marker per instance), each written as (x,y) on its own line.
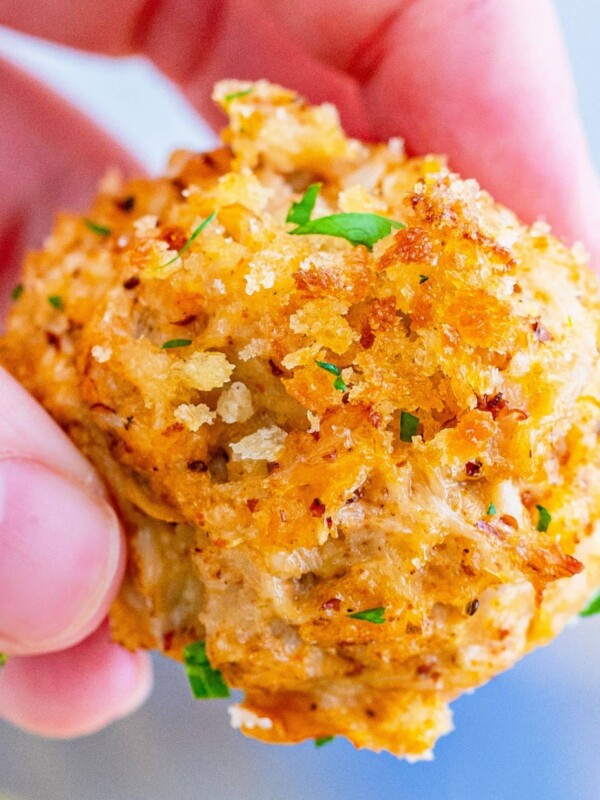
(509,520)
(182,323)
(329,522)
(542,334)
(197,466)
(367,337)
(102,407)
(317,508)
(126,204)
(252,504)
(272,466)
(332,456)
(131,283)
(276,369)
(53,340)
(527,498)
(168,640)
(472,607)
(175,237)
(374,417)
(473,468)
(333,604)
(494,404)
(222,543)
(412,628)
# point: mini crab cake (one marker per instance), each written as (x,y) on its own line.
(348,407)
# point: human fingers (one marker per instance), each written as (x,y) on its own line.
(487,82)
(61,547)
(76,691)
(51,157)
(195,44)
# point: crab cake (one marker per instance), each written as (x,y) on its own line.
(348,407)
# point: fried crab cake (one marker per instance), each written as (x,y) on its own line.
(348,408)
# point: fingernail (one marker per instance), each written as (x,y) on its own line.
(61,559)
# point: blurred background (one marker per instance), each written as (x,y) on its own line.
(531,733)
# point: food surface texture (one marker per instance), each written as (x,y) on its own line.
(348,408)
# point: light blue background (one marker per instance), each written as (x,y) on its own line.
(532,733)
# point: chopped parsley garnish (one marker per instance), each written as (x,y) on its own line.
(56,302)
(196,233)
(323,740)
(544,519)
(95,227)
(408,426)
(301,211)
(17,291)
(175,343)
(338,383)
(592,608)
(569,321)
(206,683)
(355,227)
(236,95)
(3,659)
(423,278)
(491,510)
(374,615)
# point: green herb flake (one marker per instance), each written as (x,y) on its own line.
(355,227)
(301,211)
(423,278)
(236,95)
(95,227)
(491,510)
(320,741)
(544,519)
(329,367)
(338,383)
(3,659)
(569,321)
(408,426)
(592,608)
(206,683)
(175,343)
(56,302)
(194,235)
(17,291)
(374,615)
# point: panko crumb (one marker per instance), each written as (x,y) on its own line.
(235,403)
(194,417)
(265,444)
(240,717)
(101,354)
(205,371)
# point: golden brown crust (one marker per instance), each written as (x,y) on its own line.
(263,505)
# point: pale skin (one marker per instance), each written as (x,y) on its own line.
(485,81)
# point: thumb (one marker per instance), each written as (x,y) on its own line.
(61,550)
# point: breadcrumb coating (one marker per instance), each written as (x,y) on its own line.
(297,429)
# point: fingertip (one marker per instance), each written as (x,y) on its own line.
(62,559)
(75,692)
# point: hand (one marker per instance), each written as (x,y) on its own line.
(486,82)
